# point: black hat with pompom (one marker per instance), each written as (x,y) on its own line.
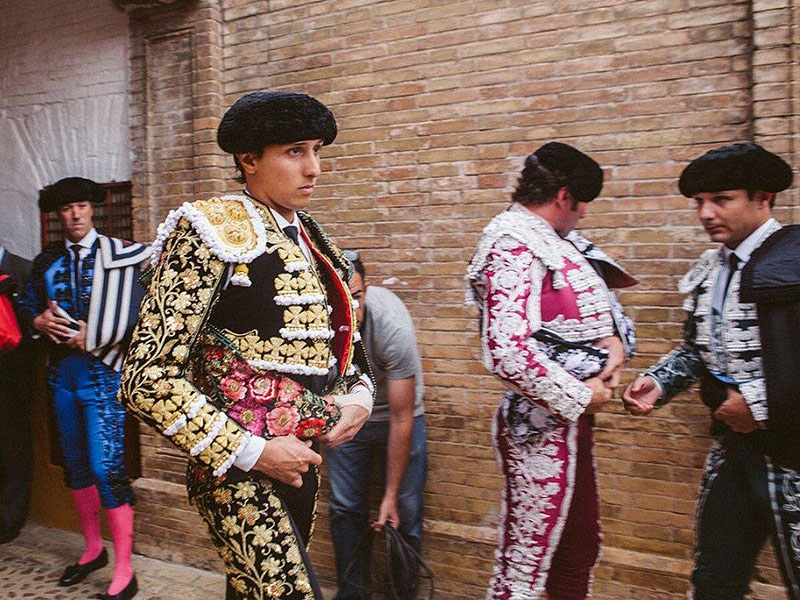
(583,175)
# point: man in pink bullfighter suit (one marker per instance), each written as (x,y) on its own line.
(554,333)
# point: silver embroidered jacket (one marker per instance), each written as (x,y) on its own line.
(527,279)
(728,346)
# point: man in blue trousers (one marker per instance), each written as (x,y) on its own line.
(83,298)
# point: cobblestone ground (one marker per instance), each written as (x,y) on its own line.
(31,565)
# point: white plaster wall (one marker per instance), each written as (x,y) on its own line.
(63,105)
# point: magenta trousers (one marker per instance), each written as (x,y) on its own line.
(549,535)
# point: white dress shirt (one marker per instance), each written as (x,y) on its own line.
(743,252)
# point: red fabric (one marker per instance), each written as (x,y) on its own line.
(540,499)
(579,545)
(10,335)
(561,302)
(342,322)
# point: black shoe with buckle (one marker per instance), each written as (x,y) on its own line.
(128,592)
(76,573)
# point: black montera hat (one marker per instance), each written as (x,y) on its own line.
(69,190)
(745,166)
(584,176)
(262,118)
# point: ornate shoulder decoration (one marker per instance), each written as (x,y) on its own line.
(522,226)
(697,274)
(230,226)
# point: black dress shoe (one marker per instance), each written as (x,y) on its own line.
(76,573)
(126,594)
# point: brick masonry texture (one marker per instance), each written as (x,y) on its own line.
(63,72)
(438,103)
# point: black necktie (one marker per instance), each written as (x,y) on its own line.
(76,271)
(733,265)
(293,233)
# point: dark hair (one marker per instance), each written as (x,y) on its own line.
(751,195)
(359,267)
(240,175)
(537,184)
(354,257)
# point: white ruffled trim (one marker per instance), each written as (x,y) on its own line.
(181,421)
(195,407)
(219,423)
(332,361)
(356,336)
(223,468)
(207,233)
(241,280)
(527,229)
(299,299)
(176,426)
(306,334)
(272,365)
(351,370)
(298,265)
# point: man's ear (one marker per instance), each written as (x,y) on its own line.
(564,198)
(764,198)
(248,162)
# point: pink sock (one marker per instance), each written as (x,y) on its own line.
(87,505)
(120,521)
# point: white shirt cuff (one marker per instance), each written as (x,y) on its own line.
(249,455)
(359,395)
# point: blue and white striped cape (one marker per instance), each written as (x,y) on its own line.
(116,296)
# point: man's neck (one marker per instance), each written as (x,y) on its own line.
(546,212)
(79,240)
(736,244)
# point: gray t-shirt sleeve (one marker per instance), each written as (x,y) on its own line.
(397,350)
(388,333)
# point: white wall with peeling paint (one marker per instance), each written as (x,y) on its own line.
(63,104)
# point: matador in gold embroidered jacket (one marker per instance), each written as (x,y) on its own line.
(239,336)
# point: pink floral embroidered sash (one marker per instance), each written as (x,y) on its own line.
(266,404)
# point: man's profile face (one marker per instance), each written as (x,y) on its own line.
(358,289)
(284,175)
(731,216)
(76,218)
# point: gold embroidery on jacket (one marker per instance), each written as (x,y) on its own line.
(230,221)
(153,384)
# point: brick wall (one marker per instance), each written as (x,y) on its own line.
(438,103)
(63,68)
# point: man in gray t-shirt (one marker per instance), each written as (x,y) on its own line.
(394,434)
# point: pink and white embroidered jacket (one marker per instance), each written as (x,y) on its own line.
(525,278)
